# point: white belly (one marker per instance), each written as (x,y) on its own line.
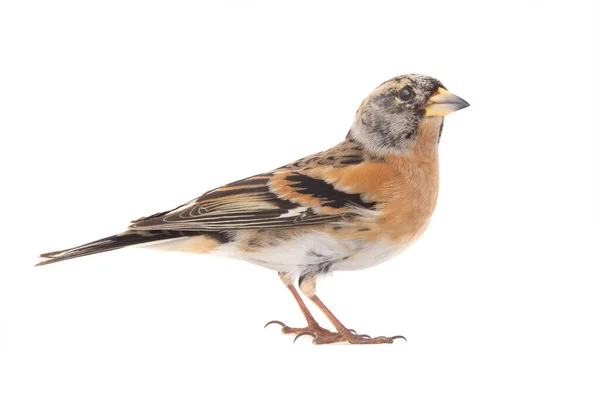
(314,251)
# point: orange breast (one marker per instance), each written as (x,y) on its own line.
(405,186)
(413,187)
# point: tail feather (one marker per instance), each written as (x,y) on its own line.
(125,239)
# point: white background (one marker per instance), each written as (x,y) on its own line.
(116,109)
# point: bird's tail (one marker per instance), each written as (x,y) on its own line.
(125,239)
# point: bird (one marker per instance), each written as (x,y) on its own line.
(351,207)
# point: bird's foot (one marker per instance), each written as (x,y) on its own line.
(350,336)
(313,329)
(321,335)
(366,339)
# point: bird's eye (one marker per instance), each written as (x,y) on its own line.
(406,93)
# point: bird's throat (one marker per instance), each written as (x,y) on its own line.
(425,144)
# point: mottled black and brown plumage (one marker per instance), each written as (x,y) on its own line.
(347,208)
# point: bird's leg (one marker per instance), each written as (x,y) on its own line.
(308,288)
(313,327)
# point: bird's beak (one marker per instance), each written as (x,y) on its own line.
(443,103)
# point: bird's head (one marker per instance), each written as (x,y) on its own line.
(388,120)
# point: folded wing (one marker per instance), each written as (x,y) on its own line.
(281,199)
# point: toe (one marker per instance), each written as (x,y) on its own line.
(275,322)
(305,334)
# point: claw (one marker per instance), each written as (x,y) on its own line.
(399,337)
(275,322)
(353,331)
(304,334)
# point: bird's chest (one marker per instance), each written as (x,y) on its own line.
(412,197)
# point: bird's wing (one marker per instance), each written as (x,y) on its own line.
(291,196)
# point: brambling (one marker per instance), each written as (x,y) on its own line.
(351,207)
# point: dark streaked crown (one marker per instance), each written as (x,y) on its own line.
(388,118)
